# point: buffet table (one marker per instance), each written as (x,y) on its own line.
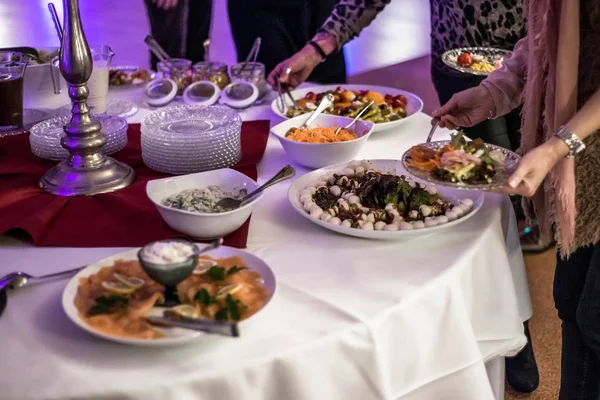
(428,318)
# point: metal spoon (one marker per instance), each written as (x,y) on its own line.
(18,279)
(434,125)
(355,118)
(228,203)
(325,102)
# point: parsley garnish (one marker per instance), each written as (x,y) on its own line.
(203,298)
(107,305)
(219,273)
(233,310)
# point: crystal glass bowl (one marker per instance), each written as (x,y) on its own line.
(188,139)
(45,136)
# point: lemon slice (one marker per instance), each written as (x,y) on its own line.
(203,265)
(131,281)
(186,310)
(117,287)
(229,289)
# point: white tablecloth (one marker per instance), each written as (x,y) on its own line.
(353,318)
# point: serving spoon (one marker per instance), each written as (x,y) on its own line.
(18,279)
(229,203)
(355,118)
(326,101)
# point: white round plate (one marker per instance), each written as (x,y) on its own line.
(173,336)
(415,104)
(387,166)
(489,53)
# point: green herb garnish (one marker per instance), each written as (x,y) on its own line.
(233,310)
(203,298)
(219,273)
(107,305)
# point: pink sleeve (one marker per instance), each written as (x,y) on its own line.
(506,84)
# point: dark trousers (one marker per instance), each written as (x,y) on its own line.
(181,30)
(284,26)
(503,131)
(577,299)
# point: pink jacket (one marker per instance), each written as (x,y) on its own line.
(506,84)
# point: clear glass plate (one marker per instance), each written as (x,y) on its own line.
(45,136)
(503,172)
(120,108)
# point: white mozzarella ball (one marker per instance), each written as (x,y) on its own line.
(349,172)
(413,214)
(379,225)
(347,223)
(367,226)
(326,216)
(331,180)
(467,202)
(425,210)
(428,218)
(353,164)
(343,204)
(451,215)
(360,223)
(359,172)
(365,210)
(458,211)
(430,223)
(354,199)
(366,164)
(395,213)
(308,205)
(304,197)
(391,227)
(431,189)
(418,225)
(405,226)
(335,221)
(347,195)
(316,211)
(441,219)
(390,207)
(371,217)
(398,220)
(466,208)
(335,190)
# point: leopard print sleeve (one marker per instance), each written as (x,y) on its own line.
(349,18)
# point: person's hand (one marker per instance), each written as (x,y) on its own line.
(296,69)
(466,108)
(165,4)
(534,167)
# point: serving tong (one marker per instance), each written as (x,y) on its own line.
(283,91)
(159,52)
(252,55)
(173,319)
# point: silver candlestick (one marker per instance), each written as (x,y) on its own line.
(86,171)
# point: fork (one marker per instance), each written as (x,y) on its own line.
(434,126)
(19,279)
(355,118)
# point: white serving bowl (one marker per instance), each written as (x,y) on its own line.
(319,155)
(203,225)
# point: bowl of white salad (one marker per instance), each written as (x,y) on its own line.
(188,203)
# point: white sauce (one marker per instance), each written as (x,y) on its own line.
(165,253)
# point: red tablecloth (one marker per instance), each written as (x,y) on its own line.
(126,218)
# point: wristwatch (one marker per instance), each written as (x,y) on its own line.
(575,145)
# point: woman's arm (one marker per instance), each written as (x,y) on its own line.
(506,84)
(537,163)
(348,19)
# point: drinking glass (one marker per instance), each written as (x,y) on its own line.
(12,69)
(98,83)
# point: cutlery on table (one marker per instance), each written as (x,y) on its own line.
(326,101)
(18,279)
(176,320)
(206,45)
(57,26)
(283,91)
(434,125)
(286,173)
(253,54)
(355,118)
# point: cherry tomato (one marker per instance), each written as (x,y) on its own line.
(398,104)
(464,60)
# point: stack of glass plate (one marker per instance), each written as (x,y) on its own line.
(188,139)
(45,136)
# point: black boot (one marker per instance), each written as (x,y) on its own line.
(522,370)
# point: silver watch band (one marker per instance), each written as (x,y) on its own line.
(575,145)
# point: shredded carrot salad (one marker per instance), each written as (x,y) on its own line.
(320,135)
(427,159)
